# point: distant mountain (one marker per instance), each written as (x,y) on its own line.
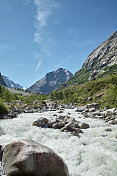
(101,62)
(10,83)
(51,81)
(2,81)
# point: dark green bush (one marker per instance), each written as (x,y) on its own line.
(3,109)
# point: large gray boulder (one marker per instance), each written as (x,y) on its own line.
(29,158)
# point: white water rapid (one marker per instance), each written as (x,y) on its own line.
(93,154)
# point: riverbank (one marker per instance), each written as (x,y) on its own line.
(89,111)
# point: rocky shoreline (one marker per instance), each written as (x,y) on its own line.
(88,111)
(93,111)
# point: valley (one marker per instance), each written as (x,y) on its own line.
(75,115)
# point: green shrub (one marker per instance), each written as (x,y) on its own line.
(101,90)
(3,109)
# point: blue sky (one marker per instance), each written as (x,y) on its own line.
(38,36)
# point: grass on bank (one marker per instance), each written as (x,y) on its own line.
(8,99)
(3,109)
(84,74)
(102,90)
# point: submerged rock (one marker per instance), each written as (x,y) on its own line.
(2,132)
(29,158)
(85,126)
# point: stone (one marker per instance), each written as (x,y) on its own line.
(111,122)
(108,129)
(45,120)
(115,121)
(86,110)
(41,122)
(99,117)
(93,105)
(72,120)
(81,109)
(55,126)
(60,118)
(69,126)
(109,112)
(50,124)
(92,110)
(76,125)
(97,113)
(29,158)
(77,130)
(63,129)
(88,115)
(55,115)
(75,134)
(61,124)
(67,118)
(60,111)
(85,126)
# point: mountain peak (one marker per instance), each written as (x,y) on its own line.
(51,81)
(9,83)
(114,35)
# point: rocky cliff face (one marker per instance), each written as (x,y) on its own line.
(10,83)
(2,81)
(101,62)
(103,56)
(51,81)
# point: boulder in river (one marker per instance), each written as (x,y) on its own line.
(85,126)
(41,122)
(64,123)
(29,158)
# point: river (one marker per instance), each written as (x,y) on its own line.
(93,154)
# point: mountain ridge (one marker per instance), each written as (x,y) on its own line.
(11,84)
(98,63)
(51,81)
(2,82)
(104,55)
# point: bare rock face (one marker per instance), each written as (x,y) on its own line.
(102,61)
(29,158)
(103,56)
(51,81)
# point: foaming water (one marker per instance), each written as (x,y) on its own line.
(93,154)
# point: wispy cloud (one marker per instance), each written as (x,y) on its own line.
(64,60)
(45,10)
(38,65)
(4,47)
